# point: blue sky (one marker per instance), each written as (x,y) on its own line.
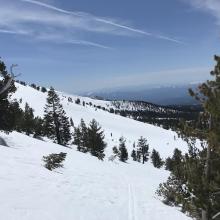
(83,45)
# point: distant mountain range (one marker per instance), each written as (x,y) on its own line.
(164,95)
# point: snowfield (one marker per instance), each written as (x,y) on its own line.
(86,188)
(162,140)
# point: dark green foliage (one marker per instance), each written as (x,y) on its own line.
(54,161)
(77,138)
(142,150)
(168,164)
(38,127)
(194,183)
(33,86)
(77,101)
(156,159)
(43,89)
(13,117)
(115,151)
(66,135)
(21,82)
(71,122)
(56,122)
(134,155)
(172,163)
(168,117)
(96,142)
(112,110)
(81,137)
(185,184)
(123,153)
(90,139)
(7,109)
(28,123)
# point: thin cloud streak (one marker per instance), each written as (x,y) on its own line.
(14,32)
(105,21)
(9,32)
(89,43)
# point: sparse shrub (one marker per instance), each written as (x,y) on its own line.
(156,159)
(77,101)
(54,161)
(43,89)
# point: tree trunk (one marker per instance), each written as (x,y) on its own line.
(206,211)
(57,127)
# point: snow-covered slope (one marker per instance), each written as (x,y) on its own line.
(86,188)
(158,138)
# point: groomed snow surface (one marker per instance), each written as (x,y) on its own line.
(86,188)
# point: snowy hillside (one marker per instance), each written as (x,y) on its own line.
(158,138)
(86,188)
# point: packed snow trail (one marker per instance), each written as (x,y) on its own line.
(85,189)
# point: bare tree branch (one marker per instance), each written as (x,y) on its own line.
(215,216)
(12,76)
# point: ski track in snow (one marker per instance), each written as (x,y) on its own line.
(132,204)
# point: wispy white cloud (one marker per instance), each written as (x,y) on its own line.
(210,6)
(43,21)
(4,31)
(89,43)
(110,22)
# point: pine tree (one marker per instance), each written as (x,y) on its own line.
(81,137)
(43,89)
(96,144)
(66,135)
(156,159)
(208,130)
(134,155)
(71,122)
(143,150)
(7,108)
(28,124)
(14,116)
(77,138)
(123,153)
(196,181)
(84,136)
(54,161)
(38,127)
(56,124)
(115,151)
